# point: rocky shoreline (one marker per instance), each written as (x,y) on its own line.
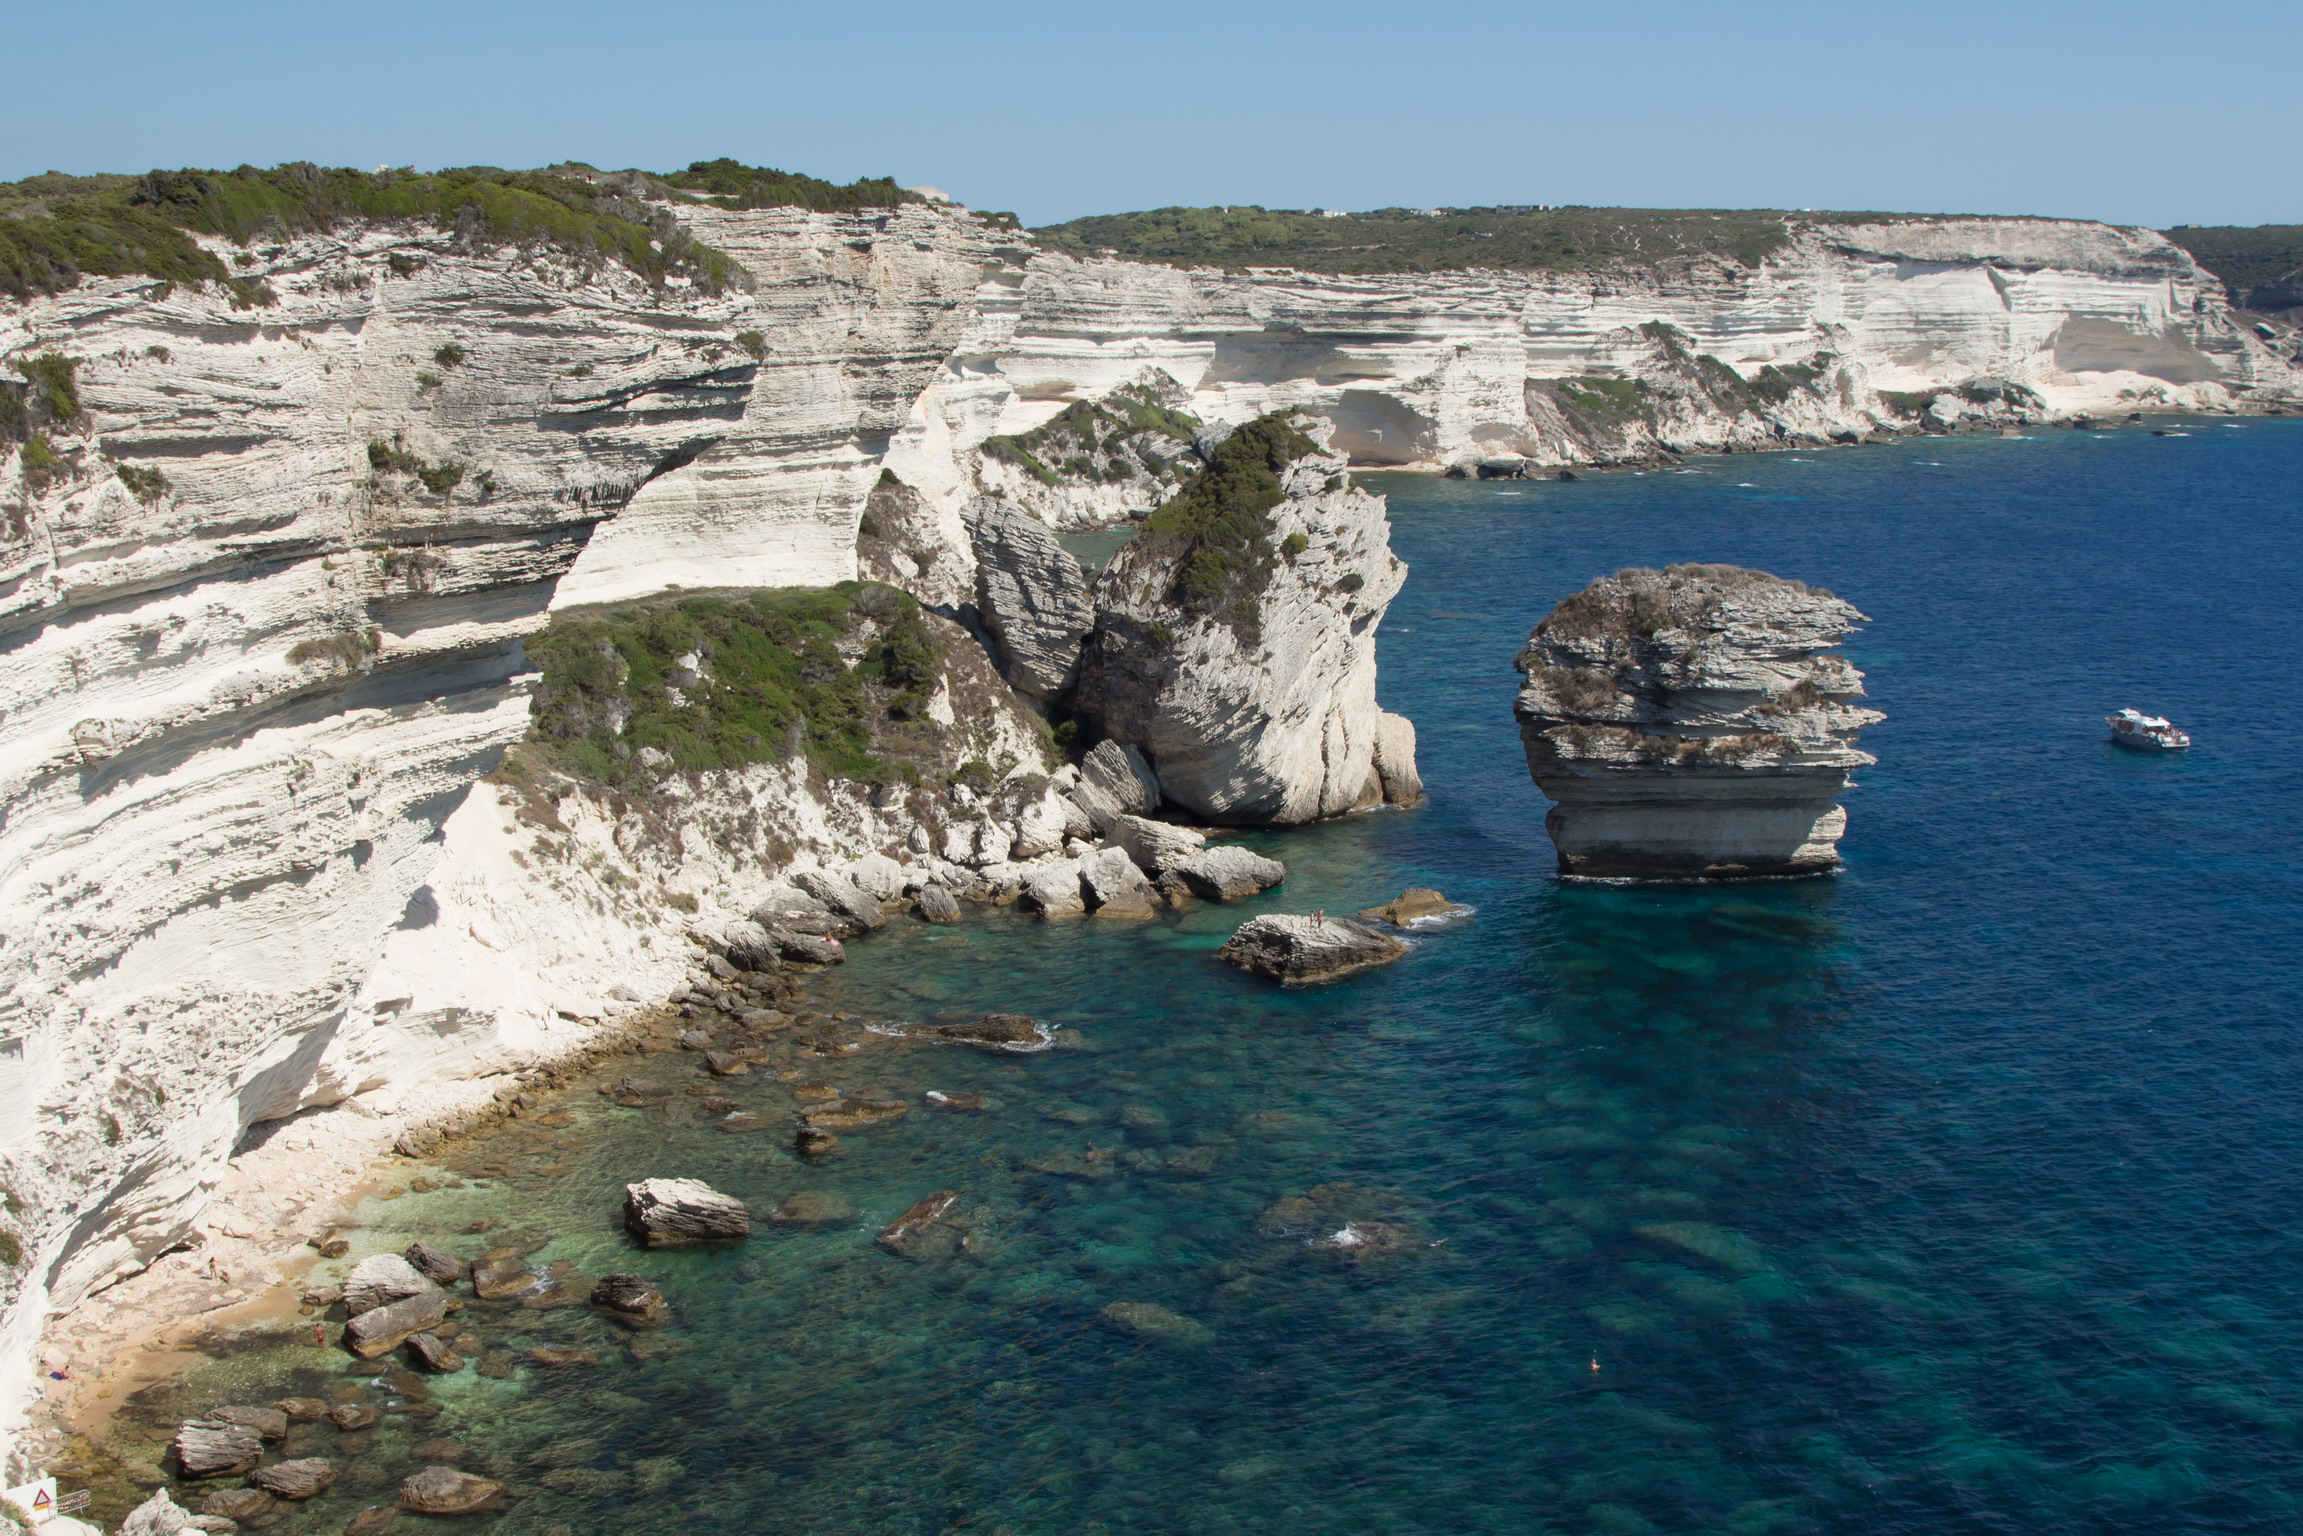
(424,1313)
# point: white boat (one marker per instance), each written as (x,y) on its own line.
(2145,733)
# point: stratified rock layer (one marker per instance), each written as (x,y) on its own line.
(1689,725)
(1031,597)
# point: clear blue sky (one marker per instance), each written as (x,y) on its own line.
(2146,113)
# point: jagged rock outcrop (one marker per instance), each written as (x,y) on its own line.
(1692,723)
(1031,597)
(1235,635)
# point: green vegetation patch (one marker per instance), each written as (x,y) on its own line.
(732,184)
(1605,398)
(1412,240)
(1778,382)
(1090,439)
(722,682)
(2261,266)
(1215,533)
(56,229)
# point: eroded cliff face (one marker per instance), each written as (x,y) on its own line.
(1235,639)
(1847,332)
(1693,724)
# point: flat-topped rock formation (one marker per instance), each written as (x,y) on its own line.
(1689,724)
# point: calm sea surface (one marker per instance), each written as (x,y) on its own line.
(1957,1194)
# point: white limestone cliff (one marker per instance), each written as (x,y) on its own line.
(1253,695)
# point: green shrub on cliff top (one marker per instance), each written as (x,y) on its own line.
(1215,534)
(721,682)
(57,229)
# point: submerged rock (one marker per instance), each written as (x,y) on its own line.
(814,1141)
(856,1114)
(1146,1320)
(502,1280)
(353,1417)
(305,1478)
(921,1232)
(630,1299)
(640,1093)
(954,1101)
(1689,724)
(1418,904)
(1300,949)
(302,1410)
(666,1212)
(993,1032)
(815,1208)
(555,1356)
(446,1491)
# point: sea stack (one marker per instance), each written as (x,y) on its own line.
(1688,725)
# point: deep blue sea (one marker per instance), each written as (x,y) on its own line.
(1959,1193)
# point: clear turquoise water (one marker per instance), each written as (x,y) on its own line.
(1957,1194)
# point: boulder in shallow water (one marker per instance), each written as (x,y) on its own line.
(1415,905)
(371,1521)
(664,1213)
(446,1491)
(435,1264)
(306,1477)
(921,1233)
(353,1417)
(938,905)
(1053,891)
(387,1328)
(213,1448)
(1114,886)
(856,1114)
(1303,949)
(552,1355)
(808,949)
(502,1279)
(1230,873)
(271,1423)
(302,1410)
(1145,1320)
(954,1101)
(248,1506)
(1156,846)
(814,1141)
(380,1279)
(433,1353)
(640,1093)
(630,1300)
